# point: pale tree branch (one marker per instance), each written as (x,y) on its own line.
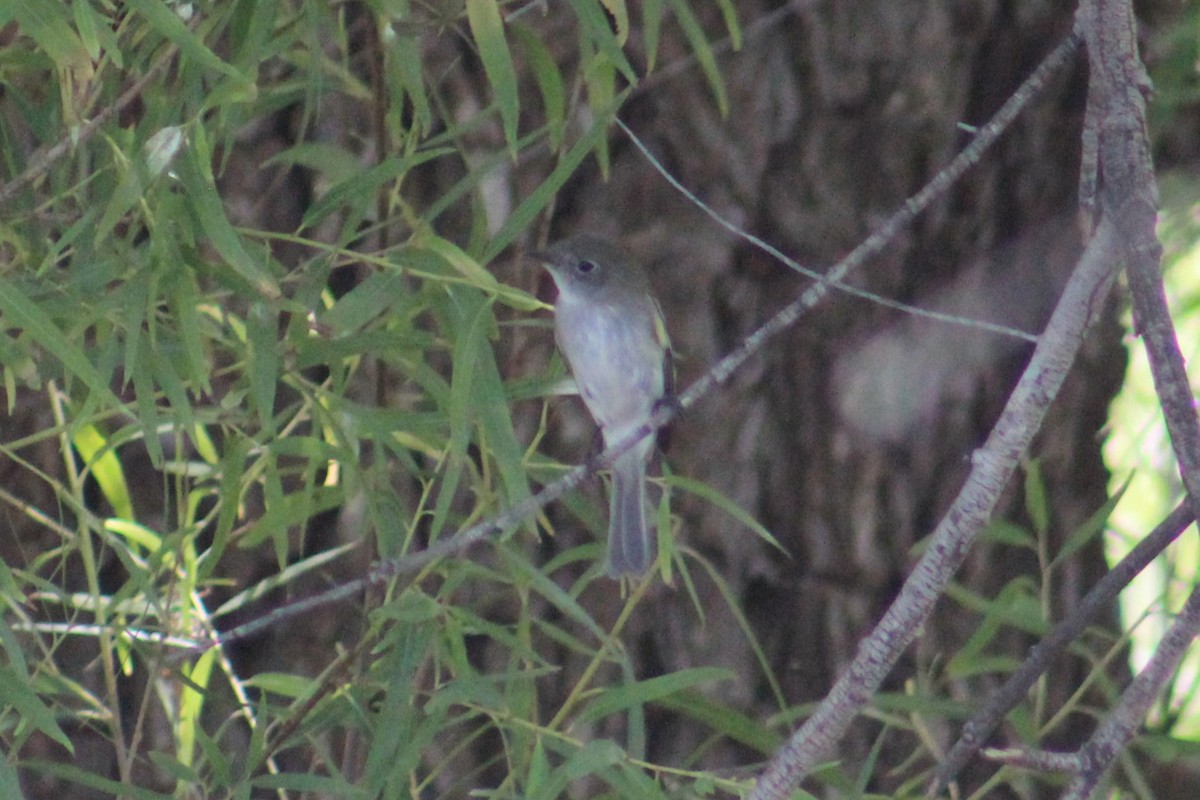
(1118,183)
(1100,597)
(992,467)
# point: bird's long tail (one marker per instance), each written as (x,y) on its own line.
(630,537)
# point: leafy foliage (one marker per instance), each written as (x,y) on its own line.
(258,316)
(196,386)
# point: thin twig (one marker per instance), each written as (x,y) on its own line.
(791,263)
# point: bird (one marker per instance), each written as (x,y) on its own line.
(612,333)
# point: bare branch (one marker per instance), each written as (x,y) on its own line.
(1100,597)
(1111,738)
(993,465)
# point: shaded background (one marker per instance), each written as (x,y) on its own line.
(847,439)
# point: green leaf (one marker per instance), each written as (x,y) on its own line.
(284,577)
(19,694)
(293,509)
(652,15)
(1035,497)
(724,720)
(619,698)
(549,81)
(471,320)
(588,760)
(404,59)
(540,198)
(595,26)
(1001,532)
(731,23)
(10,785)
(308,784)
(23,312)
(703,51)
(335,163)
(191,704)
(206,204)
(168,23)
(89,778)
(620,18)
(262,360)
(1092,527)
(601,79)
(106,468)
(49,25)
(487,28)
(363,184)
(706,492)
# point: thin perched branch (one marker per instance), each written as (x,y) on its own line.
(1101,596)
(993,466)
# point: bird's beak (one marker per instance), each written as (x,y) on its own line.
(549,259)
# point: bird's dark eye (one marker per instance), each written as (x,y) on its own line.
(586,266)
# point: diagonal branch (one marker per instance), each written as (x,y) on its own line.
(1100,597)
(993,465)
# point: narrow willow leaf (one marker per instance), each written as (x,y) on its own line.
(250,29)
(206,204)
(146,539)
(487,28)
(471,320)
(594,25)
(361,187)
(24,313)
(613,700)
(49,25)
(726,504)
(1037,503)
(290,510)
(1092,527)
(404,61)
(88,23)
(549,81)
(161,148)
(105,467)
(262,360)
(10,786)
(703,51)
(30,709)
(540,198)
(731,23)
(601,78)
(89,778)
(652,15)
(620,18)
(724,720)
(169,25)
(191,705)
(462,263)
